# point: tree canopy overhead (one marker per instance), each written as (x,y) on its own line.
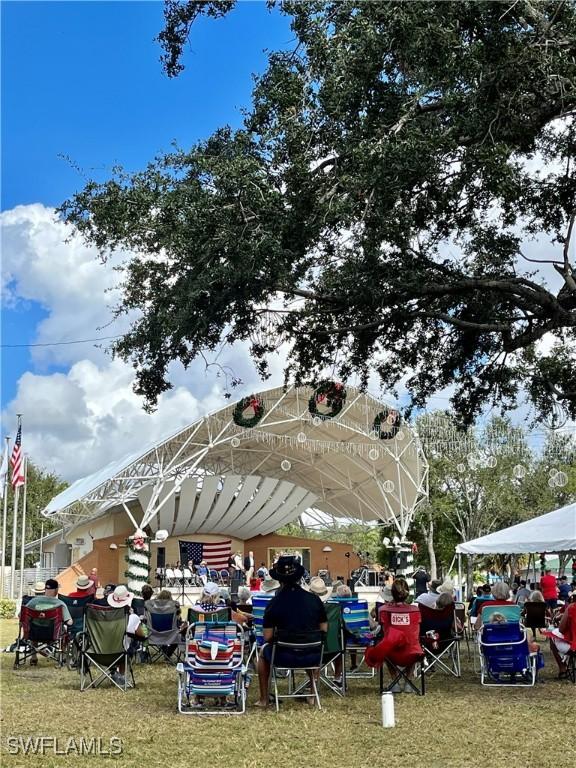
(374,208)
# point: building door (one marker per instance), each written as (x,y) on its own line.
(302,552)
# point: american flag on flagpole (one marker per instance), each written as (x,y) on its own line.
(216,553)
(16,460)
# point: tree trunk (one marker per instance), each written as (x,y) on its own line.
(469,574)
(428,533)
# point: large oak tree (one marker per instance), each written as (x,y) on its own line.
(374,209)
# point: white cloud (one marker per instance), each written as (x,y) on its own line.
(42,261)
(78,421)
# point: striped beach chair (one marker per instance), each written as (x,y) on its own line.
(211,678)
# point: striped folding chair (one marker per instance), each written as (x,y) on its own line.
(211,677)
(358,635)
(259,603)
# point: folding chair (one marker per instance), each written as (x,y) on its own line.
(296,652)
(169,577)
(406,619)
(505,658)
(259,603)
(212,668)
(571,666)
(462,627)
(76,607)
(334,649)
(221,616)
(224,576)
(40,631)
(213,575)
(164,636)
(188,577)
(534,616)
(438,639)
(357,633)
(101,645)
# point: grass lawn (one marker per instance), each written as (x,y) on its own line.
(457,724)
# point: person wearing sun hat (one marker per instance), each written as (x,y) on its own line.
(84,587)
(318,587)
(293,609)
(121,597)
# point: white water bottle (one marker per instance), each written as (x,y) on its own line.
(388,710)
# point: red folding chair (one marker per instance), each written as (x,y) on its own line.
(41,631)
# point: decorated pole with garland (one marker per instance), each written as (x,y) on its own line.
(138,560)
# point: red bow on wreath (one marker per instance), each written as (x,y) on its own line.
(254,403)
(138,542)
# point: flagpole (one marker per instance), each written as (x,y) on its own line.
(4,522)
(23,535)
(14,537)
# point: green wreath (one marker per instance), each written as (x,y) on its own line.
(248,402)
(333,394)
(387,424)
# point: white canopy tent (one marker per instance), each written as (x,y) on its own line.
(553,532)
(216,477)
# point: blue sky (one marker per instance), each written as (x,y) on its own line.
(83,80)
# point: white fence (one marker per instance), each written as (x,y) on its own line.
(31,576)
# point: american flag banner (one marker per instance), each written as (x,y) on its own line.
(216,553)
(16,460)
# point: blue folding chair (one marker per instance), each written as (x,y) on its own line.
(505,658)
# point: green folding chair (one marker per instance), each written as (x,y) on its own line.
(101,647)
(334,649)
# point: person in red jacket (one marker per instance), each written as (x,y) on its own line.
(400,642)
(549,588)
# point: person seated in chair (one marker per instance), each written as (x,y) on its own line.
(135,629)
(46,601)
(84,587)
(522,594)
(500,593)
(563,638)
(400,644)
(292,609)
(429,598)
(210,599)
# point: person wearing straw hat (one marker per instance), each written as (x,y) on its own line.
(318,587)
(84,587)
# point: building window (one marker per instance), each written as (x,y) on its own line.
(47,560)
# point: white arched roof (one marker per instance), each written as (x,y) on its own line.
(216,477)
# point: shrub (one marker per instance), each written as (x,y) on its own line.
(7,609)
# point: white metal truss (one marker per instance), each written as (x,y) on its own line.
(216,477)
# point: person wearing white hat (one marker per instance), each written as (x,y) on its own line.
(209,600)
(318,587)
(121,597)
(84,587)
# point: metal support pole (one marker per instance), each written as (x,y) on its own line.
(4,523)
(14,537)
(23,535)
(460,590)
